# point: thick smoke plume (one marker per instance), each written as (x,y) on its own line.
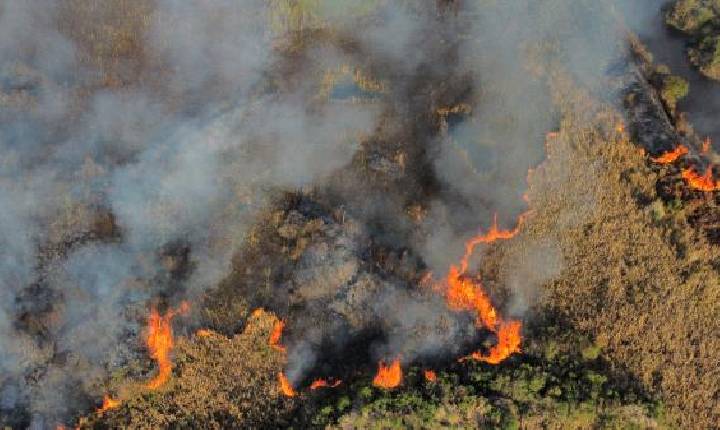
(128,181)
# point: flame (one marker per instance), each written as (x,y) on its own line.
(467,294)
(671,156)
(430,376)
(160,343)
(494,234)
(388,376)
(276,334)
(706,145)
(204,332)
(508,343)
(108,403)
(464,293)
(705,182)
(322,383)
(285,387)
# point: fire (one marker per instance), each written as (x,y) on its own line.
(388,376)
(494,234)
(160,343)
(108,403)
(203,333)
(508,343)
(285,387)
(276,334)
(430,376)
(705,182)
(322,383)
(464,293)
(467,294)
(671,156)
(706,145)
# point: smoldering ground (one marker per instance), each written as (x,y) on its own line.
(132,179)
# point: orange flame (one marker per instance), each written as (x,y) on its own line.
(276,334)
(388,376)
(108,403)
(285,387)
(203,332)
(705,182)
(706,145)
(671,156)
(467,294)
(430,376)
(508,343)
(160,343)
(322,383)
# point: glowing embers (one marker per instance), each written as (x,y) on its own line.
(388,377)
(108,404)
(706,146)
(160,343)
(203,332)
(323,383)
(705,182)
(671,156)
(430,375)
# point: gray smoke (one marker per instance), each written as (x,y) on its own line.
(182,161)
(124,181)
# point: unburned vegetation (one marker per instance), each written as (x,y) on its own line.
(277,298)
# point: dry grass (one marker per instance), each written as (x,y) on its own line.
(220,382)
(644,287)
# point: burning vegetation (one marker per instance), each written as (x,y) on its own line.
(705,182)
(388,376)
(160,343)
(671,156)
(313,190)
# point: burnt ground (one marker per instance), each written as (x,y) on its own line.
(639,278)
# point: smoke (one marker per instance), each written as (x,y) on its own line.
(113,197)
(137,177)
(491,63)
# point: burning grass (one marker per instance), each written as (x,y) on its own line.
(160,343)
(705,182)
(627,274)
(671,156)
(388,375)
(221,382)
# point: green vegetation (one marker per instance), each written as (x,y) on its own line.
(672,89)
(561,382)
(700,19)
(632,342)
